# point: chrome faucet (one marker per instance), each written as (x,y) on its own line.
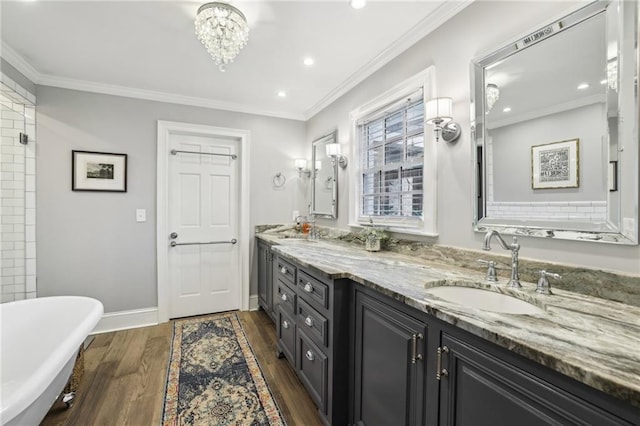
(514,247)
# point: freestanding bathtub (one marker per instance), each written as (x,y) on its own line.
(39,342)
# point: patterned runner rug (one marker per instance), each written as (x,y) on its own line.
(214,378)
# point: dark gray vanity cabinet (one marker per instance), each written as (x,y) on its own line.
(313,329)
(479,389)
(389,386)
(409,368)
(265,279)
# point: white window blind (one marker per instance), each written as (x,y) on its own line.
(392,161)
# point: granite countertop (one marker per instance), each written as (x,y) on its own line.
(593,340)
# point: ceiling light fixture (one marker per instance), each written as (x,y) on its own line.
(358,4)
(282,94)
(223,30)
(507,109)
(583,86)
(493,94)
(308,61)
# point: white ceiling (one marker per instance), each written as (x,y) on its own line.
(148,49)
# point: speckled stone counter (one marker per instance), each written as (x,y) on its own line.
(593,340)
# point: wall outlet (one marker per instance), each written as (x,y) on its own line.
(296,213)
(141,215)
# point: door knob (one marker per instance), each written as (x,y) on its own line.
(173,235)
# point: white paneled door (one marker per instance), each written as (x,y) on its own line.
(203,225)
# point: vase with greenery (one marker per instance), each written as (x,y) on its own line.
(374,237)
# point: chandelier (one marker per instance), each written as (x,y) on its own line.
(223,30)
(493,94)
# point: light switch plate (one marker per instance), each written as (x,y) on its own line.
(141,215)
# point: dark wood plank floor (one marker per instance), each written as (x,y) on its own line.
(125,374)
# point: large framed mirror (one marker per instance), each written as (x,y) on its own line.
(324,178)
(555,125)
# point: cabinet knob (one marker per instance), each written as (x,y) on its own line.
(285,324)
(284,297)
(284,270)
(309,321)
(310,356)
(308,287)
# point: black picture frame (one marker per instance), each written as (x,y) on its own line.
(98,171)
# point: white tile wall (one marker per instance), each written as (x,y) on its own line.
(17,193)
(577,210)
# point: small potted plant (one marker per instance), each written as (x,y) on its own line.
(373,237)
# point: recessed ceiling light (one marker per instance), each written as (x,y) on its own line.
(583,86)
(603,81)
(308,61)
(282,94)
(358,4)
(507,109)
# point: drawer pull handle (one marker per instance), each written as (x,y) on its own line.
(415,356)
(441,372)
(310,356)
(285,324)
(284,297)
(308,287)
(284,270)
(309,321)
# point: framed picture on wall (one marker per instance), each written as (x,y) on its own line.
(98,171)
(555,165)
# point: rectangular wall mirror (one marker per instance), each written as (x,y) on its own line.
(324,178)
(555,125)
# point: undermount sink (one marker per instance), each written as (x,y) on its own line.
(486,300)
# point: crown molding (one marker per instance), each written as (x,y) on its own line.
(443,13)
(150,95)
(19,63)
(24,67)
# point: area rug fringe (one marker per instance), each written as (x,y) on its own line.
(171,416)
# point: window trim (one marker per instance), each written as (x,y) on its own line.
(415,226)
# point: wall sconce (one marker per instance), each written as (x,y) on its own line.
(333,152)
(318,165)
(438,112)
(301,165)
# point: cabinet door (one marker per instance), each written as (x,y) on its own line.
(480,389)
(389,371)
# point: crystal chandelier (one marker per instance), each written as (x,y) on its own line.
(223,30)
(493,94)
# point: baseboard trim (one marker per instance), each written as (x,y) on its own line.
(124,320)
(253,303)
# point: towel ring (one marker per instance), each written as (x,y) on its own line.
(279,180)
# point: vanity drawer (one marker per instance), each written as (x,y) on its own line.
(313,323)
(286,271)
(286,334)
(312,365)
(313,289)
(286,297)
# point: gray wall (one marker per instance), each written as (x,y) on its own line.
(475,31)
(512,155)
(89,242)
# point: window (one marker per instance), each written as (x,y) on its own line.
(396,161)
(392,148)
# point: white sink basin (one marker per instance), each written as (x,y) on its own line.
(485,300)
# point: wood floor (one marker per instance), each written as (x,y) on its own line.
(125,375)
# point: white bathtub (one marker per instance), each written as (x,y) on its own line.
(39,342)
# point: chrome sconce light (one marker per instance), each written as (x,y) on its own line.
(438,112)
(301,165)
(333,152)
